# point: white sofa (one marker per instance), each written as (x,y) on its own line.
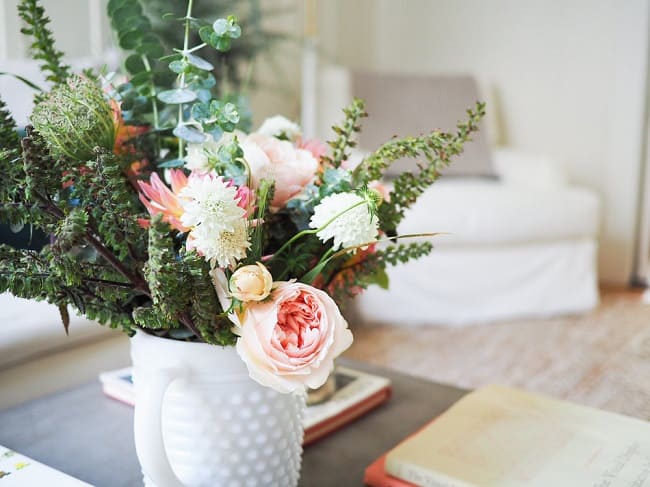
(38,358)
(512,250)
(520,244)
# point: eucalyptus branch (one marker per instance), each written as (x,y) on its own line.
(186,42)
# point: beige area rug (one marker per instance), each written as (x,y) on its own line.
(601,358)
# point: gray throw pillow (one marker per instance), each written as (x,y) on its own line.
(401,105)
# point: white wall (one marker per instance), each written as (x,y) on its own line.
(564,78)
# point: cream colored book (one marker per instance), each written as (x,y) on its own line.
(502,437)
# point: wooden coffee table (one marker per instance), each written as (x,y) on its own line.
(89,436)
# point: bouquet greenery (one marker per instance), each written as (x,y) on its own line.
(165,216)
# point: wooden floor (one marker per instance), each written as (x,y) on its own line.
(601,358)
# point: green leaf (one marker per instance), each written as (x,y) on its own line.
(151,49)
(134,64)
(176,96)
(205,33)
(200,111)
(199,63)
(179,66)
(380,277)
(189,134)
(24,80)
(222,44)
(221,27)
(122,15)
(130,40)
(172,163)
(65,317)
(114,5)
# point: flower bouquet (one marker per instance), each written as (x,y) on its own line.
(225,254)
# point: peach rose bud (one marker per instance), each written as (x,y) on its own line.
(251,283)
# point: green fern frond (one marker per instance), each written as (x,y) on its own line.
(43,45)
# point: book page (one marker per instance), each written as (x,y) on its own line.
(17,470)
(501,437)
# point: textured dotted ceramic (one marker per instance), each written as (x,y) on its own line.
(200,421)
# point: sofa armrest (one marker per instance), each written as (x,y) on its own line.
(525,170)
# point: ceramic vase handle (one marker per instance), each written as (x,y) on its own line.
(147,428)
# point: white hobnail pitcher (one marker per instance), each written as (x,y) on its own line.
(200,420)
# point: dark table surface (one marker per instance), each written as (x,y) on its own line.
(89,436)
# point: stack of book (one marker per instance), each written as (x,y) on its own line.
(502,437)
(356,394)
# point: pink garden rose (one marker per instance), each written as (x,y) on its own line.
(291,340)
(279,160)
(317,148)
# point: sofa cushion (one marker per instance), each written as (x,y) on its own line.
(32,329)
(487,212)
(404,105)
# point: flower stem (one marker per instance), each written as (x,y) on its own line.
(315,230)
(154,105)
(181,84)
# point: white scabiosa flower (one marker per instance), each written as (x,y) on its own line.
(279,126)
(353,227)
(218,226)
(224,248)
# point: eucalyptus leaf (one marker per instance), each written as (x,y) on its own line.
(172,163)
(199,62)
(189,134)
(113,5)
(134,64)
(222,44)
(221,27)
(200,111)
(179,66)
(16,227)
(130,40)
(215,131)
(176,96)
(151,49)
(122,15)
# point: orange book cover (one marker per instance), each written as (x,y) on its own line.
(376,476)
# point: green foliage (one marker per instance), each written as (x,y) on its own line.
(165,276)
(265,193)
(11,169)
(134,34)
(74,118)
(232,65)
(402,253)
(345,132)
(101,187)
(437,148)
(347,279)
(43,46)
(205,311)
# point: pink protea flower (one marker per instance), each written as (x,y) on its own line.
(158,198)
(246,199)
